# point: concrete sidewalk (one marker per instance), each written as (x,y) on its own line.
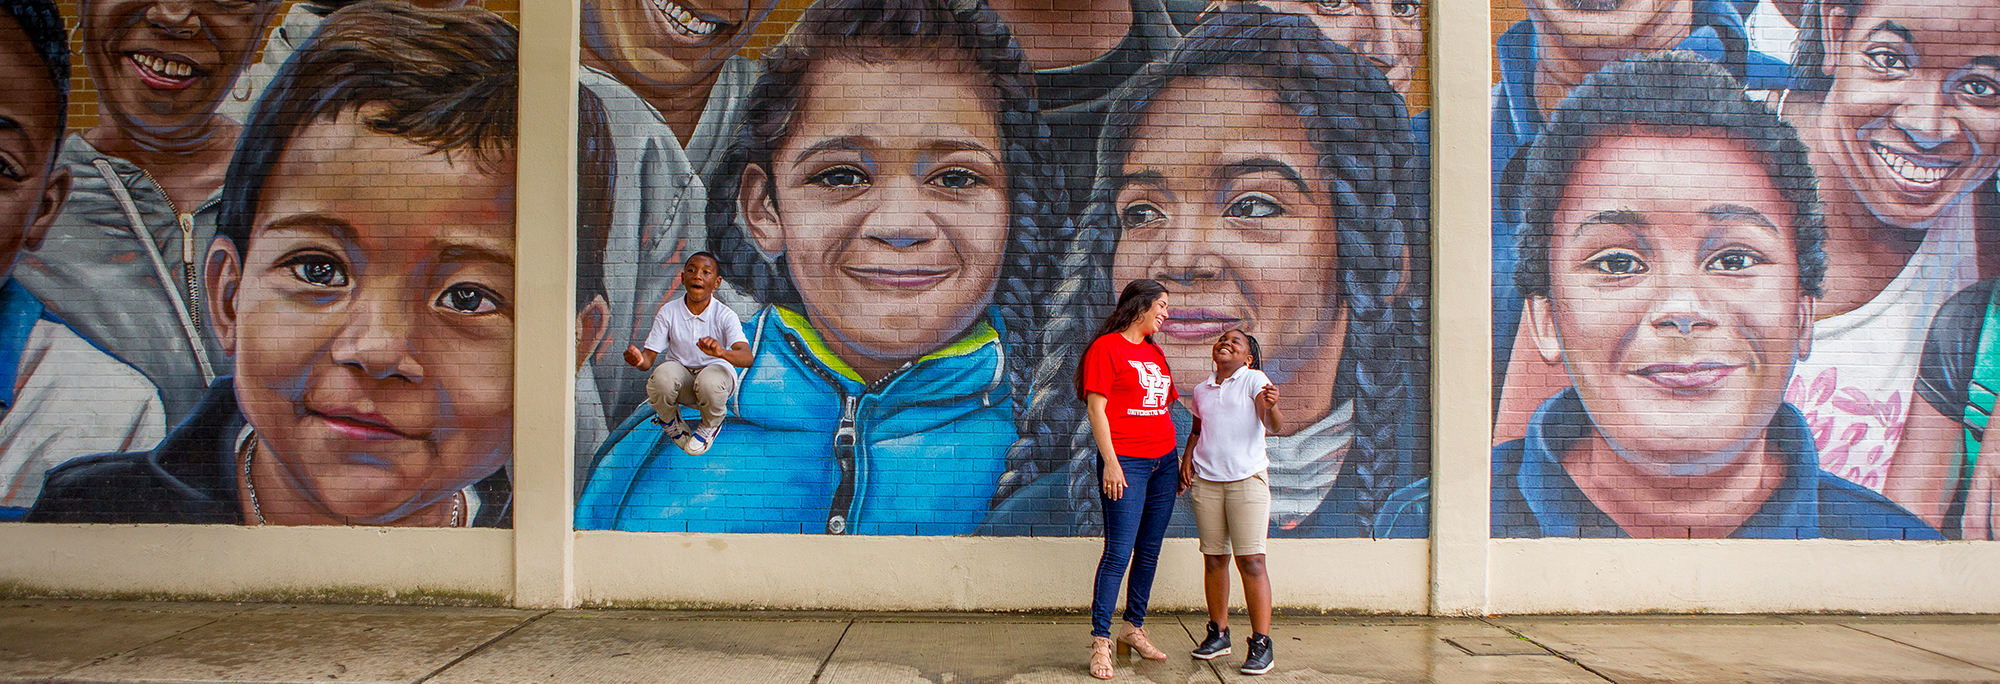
(111,641)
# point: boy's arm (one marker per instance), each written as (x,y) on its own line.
(641,359)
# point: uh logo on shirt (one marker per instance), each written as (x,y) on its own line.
(1156,384)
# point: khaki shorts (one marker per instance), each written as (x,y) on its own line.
(1233,518)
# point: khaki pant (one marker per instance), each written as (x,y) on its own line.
(1232,517)
(706,390)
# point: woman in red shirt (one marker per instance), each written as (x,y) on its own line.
(1126,387)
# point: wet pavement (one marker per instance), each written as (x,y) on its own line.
(117,641)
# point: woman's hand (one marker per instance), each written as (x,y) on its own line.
(1100,432)
(1267,398)
(1114,479)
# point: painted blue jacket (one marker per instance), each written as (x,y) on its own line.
(1534,496)
(808,447)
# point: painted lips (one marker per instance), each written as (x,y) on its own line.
(1921,171)
(1198,324)
(1686,376)
(162,72)
(910,278)
(686,22)
(364,427)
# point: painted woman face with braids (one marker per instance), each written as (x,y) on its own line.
(1256,172)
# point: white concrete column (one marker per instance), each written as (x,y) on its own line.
(1461,325)
(545,317)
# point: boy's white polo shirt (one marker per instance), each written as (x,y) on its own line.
(1232,437)
(676,330)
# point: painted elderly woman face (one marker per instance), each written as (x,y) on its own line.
(662,46)
(889,201)
(1221,198)
(164,65)
(1915,104)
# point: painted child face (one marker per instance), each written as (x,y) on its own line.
(891,203)
(30,193)
(1675,301)
(164,65)
(372,319)
(659,46)
(1915,104)
(1221,199)
(1389,33)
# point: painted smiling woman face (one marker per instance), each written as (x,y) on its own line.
(162,66)
(1222,200)
(668,48)
(889,200)
(1914,109)
(1675,300)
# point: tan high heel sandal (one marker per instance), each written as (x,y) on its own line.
(1100,658)
(1134,639)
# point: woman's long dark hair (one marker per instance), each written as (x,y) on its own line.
(1375,180)
(1133,302)
(872,31)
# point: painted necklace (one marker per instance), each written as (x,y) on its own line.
(249,447)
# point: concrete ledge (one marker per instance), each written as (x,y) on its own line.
(340,563)
(965,573)
(1743,576)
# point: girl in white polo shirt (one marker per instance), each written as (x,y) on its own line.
(1225,467)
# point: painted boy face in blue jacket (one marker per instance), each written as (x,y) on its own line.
(810,448)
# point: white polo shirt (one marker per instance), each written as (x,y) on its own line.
(1232,437)
(676,330)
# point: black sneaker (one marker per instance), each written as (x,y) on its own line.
(1217,643)
(1259,660)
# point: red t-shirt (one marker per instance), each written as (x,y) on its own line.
(1137,387)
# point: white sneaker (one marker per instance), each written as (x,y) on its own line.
(675,428)
(702,438)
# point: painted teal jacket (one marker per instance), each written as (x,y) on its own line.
(810,448)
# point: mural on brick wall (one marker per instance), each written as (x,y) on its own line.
(856,248)
(1741,257)
(267,277)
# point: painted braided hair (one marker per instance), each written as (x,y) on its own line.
(1361,130)
(873,31)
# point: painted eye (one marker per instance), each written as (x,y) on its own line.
(1885,58)
(958,179)
(1978,87)
(1736,260)
(1141,214)
(1618,263)
(839,177)
(318,270)
(1254,206)
(12,171)
(468,299)
(1334,6)
(1406,10)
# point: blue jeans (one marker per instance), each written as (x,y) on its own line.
(1134,527)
